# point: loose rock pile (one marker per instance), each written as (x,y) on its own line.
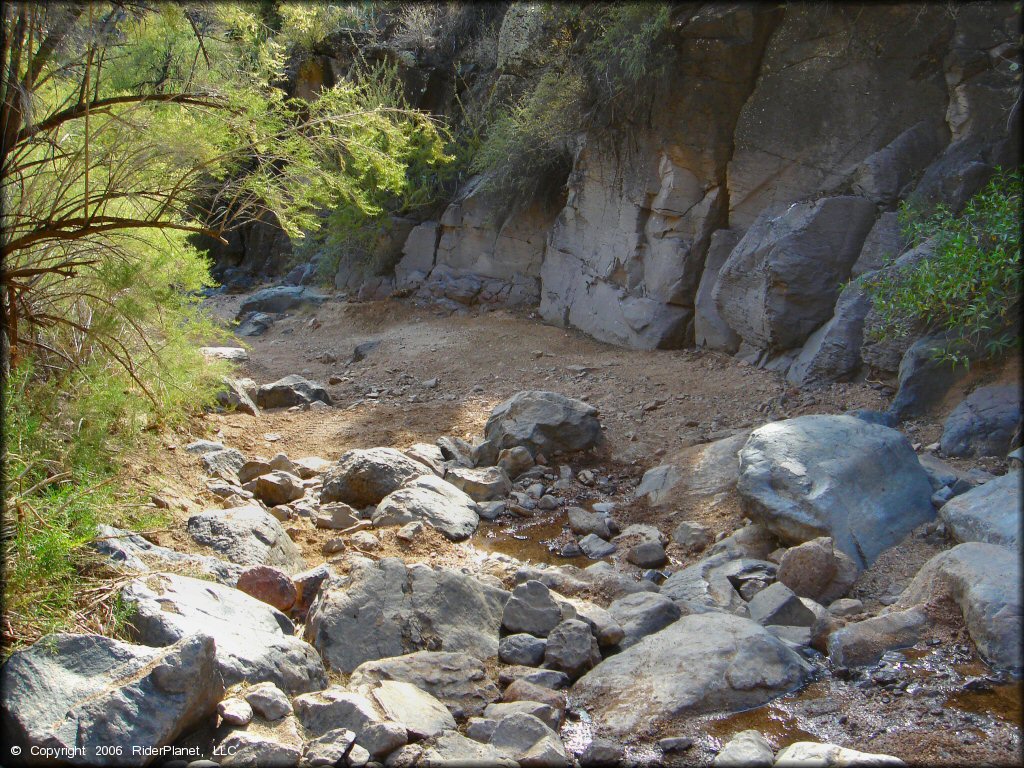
(458,665)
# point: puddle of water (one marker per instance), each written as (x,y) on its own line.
(1001,701)
(778,725)
(534,539)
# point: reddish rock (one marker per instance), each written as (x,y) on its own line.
(268,584)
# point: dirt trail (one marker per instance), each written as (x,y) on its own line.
(651,404)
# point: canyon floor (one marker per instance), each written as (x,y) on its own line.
(433,374)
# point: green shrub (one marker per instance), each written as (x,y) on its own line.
(970,286)
(531,143)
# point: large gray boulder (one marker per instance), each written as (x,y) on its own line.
(247,536)
(835,476)
(984,581)
(704,663)
(694,474)
(983,423)
(989,512)
(363,477)
(436,502)
(133,552)
(782,280)
(280,298)
(291,390)
(254,642)
(527,740)
(543,422)
(81,692)
(388,609)
(459,680)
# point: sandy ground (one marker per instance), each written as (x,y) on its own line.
(651,404)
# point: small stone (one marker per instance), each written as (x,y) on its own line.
(522,649)
(358,757)
(336,515)
(268,701)
(572,648)
(649,554)
(381,739)
(235,711)
(531,609)
(410,531)
(675,744)
(365,540)
(272,586)
(846,606)
(334,546)
(595,547)
(746,748)
(601,753)
(691,536)
(548,502)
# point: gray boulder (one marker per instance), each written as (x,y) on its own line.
(328,749)
(571,648)
(458,680)
(552,717)
(234,397)
(989,512)
(777,604)
(451,749)
(815,569)
(273,744)
(695,474)
(254,642)
(585,523)
(388,609)
(485,484)
(700,664)
(527,740)
(382,739)
(543,422)
(984,581)
(421,714)
(521,648)
(882,245)
(362,477)
(604,626)
(835,476)
(280,298)
(595,547)
(434,501)
(923,380)
(984,422)
(781,281)
(531,609)
(291,390)
(254,324)
(864,642)
(705,586)
(246,535)
(803,754)
(275,488)
(135,553)
(82,692)
(222,463)
(335,707)
(643,614)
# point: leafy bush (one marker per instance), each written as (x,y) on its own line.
(530,144)
(970,286)
(596,62)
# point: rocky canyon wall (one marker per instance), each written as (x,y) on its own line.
(765,175)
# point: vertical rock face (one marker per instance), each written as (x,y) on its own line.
(782,280)
(837,84)
(626,254)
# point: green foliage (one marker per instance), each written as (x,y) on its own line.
(970,286)
(139,127)
(598,63)
(531,143)
(306,26)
